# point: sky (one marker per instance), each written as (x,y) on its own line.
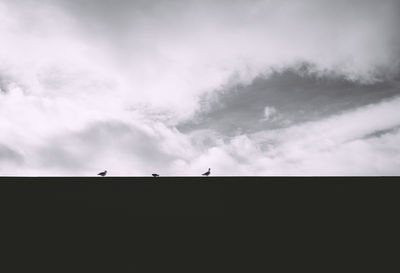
(244,87)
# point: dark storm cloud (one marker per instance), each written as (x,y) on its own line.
(297,94)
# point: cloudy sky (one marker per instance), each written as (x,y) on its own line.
(245,87)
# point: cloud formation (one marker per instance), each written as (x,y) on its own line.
(290,96)
(184,85)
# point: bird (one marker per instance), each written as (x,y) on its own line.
(103,173)
(207,173)
(155,175)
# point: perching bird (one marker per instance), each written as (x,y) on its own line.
(207,173)
(103,173)
(155,175)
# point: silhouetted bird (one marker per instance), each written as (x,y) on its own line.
(207,173)
(155,175)
(103,173)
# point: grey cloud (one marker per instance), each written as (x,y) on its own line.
(57,155)
(358,31)
(380,133)
(361,141)
(115,134)
(191,47)
(3,85)
(79,151)
(5,82)
(9,155)
(298,94)
(170,53)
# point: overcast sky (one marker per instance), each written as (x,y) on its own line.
(259,87)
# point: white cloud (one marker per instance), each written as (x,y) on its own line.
(342,144)
(63,68)
(163,54)
(330,146)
